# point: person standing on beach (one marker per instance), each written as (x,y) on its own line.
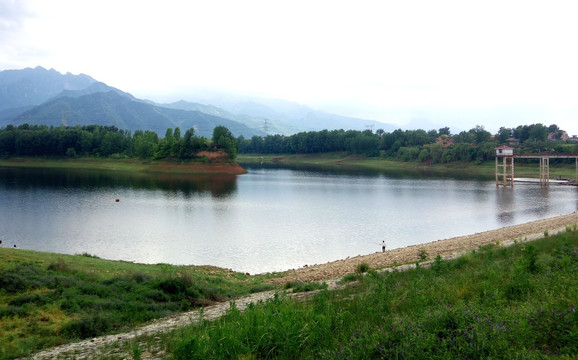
(383,246)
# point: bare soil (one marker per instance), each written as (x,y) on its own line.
(444,248)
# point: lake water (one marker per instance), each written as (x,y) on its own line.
(270,219)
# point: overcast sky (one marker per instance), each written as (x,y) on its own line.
(456,63)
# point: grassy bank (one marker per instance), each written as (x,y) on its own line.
(134,166)
(494,303)
(50,299)
(344,160)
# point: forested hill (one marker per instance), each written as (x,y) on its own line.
(46,97)
(114,109)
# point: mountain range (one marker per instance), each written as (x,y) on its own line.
(38,96)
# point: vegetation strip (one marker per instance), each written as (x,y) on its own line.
(51,299)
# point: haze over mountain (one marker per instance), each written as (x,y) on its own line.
(47,97)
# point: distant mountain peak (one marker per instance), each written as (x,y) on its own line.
(48,97)
(30,87)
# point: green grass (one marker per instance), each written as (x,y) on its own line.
(128,165)
(50,299)
(493,303)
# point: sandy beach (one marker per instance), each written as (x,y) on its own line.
(445,248)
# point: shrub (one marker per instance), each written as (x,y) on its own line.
(531,258)
(59,266)
(9,311)
(362,268)
(21,277)
(85,254)
(174,286)
(12,283)
(422,254)
(299,286)
(35,299)
(349,278)
(140,277)
(261,288)
(437,264)
(87,327)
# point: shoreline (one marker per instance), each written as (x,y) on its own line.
(445,248)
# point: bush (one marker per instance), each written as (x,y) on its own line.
(531,258)
(299,286)
(85,254)
(362,268)
(59,266)
(438,264)
(12,283)
(349,278)
(174,286)
(261,288)
(21,277)
(140,277)
(35,299)
(87,327)
(10,311)
(422,254)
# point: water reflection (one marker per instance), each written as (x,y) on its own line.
(505,202)
(188,185)
(356,170)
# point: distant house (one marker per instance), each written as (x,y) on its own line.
(558,135)
(513,141)
(573,138)
(504,151)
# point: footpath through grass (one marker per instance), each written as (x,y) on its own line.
(51,299)
(494,303)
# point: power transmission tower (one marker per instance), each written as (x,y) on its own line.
(266,126)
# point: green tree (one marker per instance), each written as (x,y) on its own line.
(538,132)
(165,145)
(504,134)
(224,139)
(145,145)
(113,143)
(480,135)
(436,151)
(444,131)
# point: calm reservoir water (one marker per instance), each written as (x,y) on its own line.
(268,220)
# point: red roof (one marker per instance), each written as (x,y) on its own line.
(504,147)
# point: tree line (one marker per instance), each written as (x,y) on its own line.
(109,141)
(436,146)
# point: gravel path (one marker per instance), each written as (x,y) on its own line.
(109,347)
